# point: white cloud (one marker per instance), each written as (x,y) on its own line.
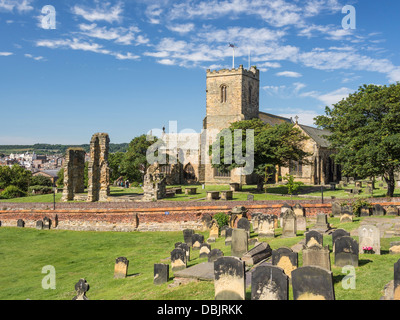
(306,117)
(28,55)
(167,62)
(182,28)
(330,98)
(6,54)
(103,12)
(289,74)
(20,5)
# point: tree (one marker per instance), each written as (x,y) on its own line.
(366,132)
(115,162)
(273,146)
(41,181)
(15,176)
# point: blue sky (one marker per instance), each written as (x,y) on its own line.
(127,67)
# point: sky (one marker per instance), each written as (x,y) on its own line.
(69,69)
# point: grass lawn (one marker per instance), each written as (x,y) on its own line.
(91,255)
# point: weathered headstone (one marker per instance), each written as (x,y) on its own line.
(289,224)
(214,255)
(337,234)
(369,237)
(266,226)
(316,255)
(392,211)
(244,224)
(46,223)
(396,287)
(286,259)
(236,214)
(20,223)
(223,231)
(301,223)
(121,268)
(378,210)
(214,231)
(312,283)
(365,212)
(322,224)
(39,225)
(298,210)
(239,245)
(394,247)
(187,236)
(81,288)
(178,259)
(161,273)
(206,219)
(185,248)
(228,236)
(314,238)
(260,252)
(336,209)
(269,283)
(250,197)
(197,240)
(346,216)
(204,250)
(346,252)
(229,279)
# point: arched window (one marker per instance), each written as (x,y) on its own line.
(223,93)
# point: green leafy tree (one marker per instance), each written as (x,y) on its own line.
(273,146)
(15,176)
(115,162)
(366,132)
(60,180)
(292,185)
(41,181)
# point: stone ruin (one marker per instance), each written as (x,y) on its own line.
(74,168)
(99,171)
(154,185)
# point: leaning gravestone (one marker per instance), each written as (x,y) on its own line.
(239,245)
(269,283)
(337,234)
(266,226)
(228,236)
(161,273)
(214,255)
(81,288)
(197,240)
(314,238)
(346,252)
(392,211)
(289,224)
(378,210)
(312,283)
(369,236)
(204,250)
(396,289)
(121,268)
(178,260)
(187,236)
(260,252)
(286,259)
(229,279)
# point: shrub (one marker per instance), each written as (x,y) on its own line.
(12,192)
(41,181)
(40,189)
(222,219)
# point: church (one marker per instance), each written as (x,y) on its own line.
(233,95)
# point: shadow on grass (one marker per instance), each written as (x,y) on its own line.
(338,278)
(363,262)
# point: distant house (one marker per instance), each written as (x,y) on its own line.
(52,174)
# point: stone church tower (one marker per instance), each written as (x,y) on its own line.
(232,95)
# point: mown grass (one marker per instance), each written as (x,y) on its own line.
(91,255)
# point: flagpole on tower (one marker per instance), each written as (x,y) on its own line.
(233,61)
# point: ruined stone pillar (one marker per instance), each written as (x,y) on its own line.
(99,171)
(74,168)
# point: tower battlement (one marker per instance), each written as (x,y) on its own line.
(252,73)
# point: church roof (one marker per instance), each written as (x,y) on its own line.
(317,135)
(270,115)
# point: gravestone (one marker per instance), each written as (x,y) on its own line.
(197,240)
(298,210)
(394,247)
(269,283)
(378,210)
(285,207)
(255,220)
(314,238)
(187,236)
(223,231)
(365,212)
(236,214)
(369,236)
(396,285)
(289,224)
(312,283)
(250,197)
(227,195)
(336,209)
(266,226)
(392,211)
(214,255)
(161,273)
(244,224)
(337,234)
(346,216)
(229,279)
(322,224)
(178,259)
(228,236)
(301,223)
(39,225)
(20,223)
(206,219)
(204,250)
(260,252)
(214,231)
(185,248)
(46,223)
(121,268)
(286,259)
(81,288)
(316,255)
(346,252)
(239,245)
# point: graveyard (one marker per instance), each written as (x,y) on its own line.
(93,256)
